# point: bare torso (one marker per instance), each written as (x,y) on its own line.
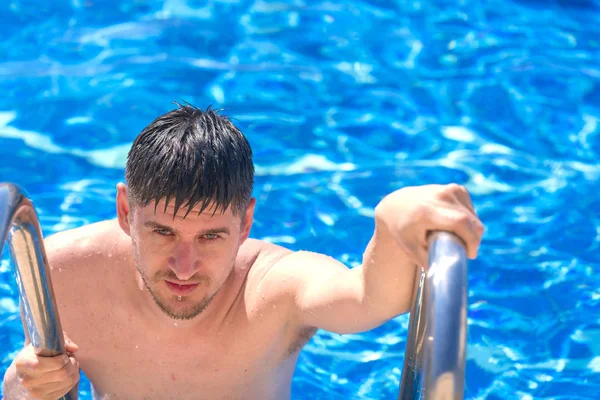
(248,350)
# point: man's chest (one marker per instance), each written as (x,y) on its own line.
(181,378)
(128,363)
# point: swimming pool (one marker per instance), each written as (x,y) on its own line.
(344,102)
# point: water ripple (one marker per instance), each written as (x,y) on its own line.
(343,103)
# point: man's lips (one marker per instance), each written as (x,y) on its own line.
(179,289)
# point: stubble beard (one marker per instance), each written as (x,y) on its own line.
(179,313)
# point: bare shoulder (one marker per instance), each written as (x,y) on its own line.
(78,247)
(258,257)
(82,261)
(277,272)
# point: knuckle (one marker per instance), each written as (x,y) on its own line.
(447,192)
(28,364)
(455,188)
(479,227)
(26,382)
(422,210)
(75,376)
(74,368)
(379,211)
(461,188)
(63,374)
(35,393)
(20,364)
(461,218)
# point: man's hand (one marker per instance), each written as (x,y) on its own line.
(411,214)
(46,377)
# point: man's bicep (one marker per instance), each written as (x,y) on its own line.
(324,293)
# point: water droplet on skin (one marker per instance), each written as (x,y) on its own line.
(136,346)
(175,324)
(179,298)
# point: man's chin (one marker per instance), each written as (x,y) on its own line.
(183,309)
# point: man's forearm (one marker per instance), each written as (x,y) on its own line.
(329,296)
(388,275)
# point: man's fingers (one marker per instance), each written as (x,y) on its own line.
(462,195)
(54,378)
(71,347)
(54,390)
(42,365)
(462,223)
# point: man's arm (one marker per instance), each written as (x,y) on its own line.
(326,294)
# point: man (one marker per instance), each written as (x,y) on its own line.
(172,300)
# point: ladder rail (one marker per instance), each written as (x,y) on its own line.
(20,229)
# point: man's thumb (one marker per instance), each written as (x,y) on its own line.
(70,346)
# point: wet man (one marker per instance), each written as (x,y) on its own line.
(173,300)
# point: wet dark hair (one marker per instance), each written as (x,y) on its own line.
(191,157)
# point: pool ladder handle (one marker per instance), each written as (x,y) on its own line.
(20,229)
(434,362)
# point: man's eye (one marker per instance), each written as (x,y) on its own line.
(211,236)
(162,232)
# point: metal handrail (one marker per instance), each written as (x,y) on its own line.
(434,362)
(20,228)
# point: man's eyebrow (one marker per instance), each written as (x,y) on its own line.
(215,231)
(209,231)
(154,224)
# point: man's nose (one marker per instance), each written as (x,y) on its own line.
(185,262)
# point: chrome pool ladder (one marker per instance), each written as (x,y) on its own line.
(20,229)
(434,361)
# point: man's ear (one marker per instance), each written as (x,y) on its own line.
(247,221)
(123,209)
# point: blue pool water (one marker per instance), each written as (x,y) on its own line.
(343,102)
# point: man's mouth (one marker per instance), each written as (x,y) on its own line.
(181,289)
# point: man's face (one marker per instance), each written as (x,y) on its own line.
(184,262)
